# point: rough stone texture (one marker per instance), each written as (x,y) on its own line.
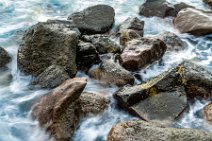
(173,42)
(128,35)
(59,111)
(194,22)
(139,53)
(146,131)
(4,57)
(92,104)
(53,76)
(209,2)
(45,44)
(103,43)
(208,112)
(111,73)
(179,6)
(94,19)
(159,8)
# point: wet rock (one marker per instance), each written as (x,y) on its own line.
(128,35)
(173,42)
(208,112)
(59,111)
(111,73)
(92,104)
(179,6)
(5,77)
(45,44)
(4,57)
(209,2)
(95,19)
(139,53)
(102,43)
(194,22)
(159,8)
(139,130)
(52,77)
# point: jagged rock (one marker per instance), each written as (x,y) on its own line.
(159,8)
(59,111)
(179,6)
(111,73)
(46,44)
(95,19)
(147,131)
(92,104)
(173,42)
(209,2)
(208,112)
(193,21)
(4,57)
(53,76)
(139,53)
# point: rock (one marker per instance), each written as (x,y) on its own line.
(4,57)
(208,112)
(209,2)
(194,22)
(159,8)
(103,43)
(111,73)
(94,20)
(59,111)
(128,35)
(139,53)
(92,104)
(46,44)
(173,42)
(52,77)
(139,130)
(179,6)
(134,24)
(5,77)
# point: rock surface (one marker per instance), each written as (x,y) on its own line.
(4,57)
(111,73)
(208,112)
(46,44)
(139,53)
(147,131)
(95,19)
(209,2)
(59,111)
(52,77)
(194,22)
(159,8)
(179,6)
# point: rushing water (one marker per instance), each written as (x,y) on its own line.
(16,97)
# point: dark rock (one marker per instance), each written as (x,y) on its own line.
(139,130)
(173,42)
(209,2)
(92,104)
(4,57)
(193,21)
(111,73)
(179,6)
(59,111)
(208,112)
(139,53)
(95,19)
(159,8)
(46,44)
(52,77)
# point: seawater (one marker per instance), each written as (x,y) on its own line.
(16,97)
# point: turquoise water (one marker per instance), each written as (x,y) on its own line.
(16,97)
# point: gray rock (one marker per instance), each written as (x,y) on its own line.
(45,44)
(159,8)
(147,131)
(4,57)
(139,53)
(5,77)
(95,19)
(52,77)
(179,6)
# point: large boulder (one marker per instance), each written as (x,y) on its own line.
(94,19)
(146,131)
(139,53)
(209,2)
(110,72)
(52,77)
(208,112)
(4,57)
(179,6)
(59,111)
(46,44)
(159,8)
(193,21)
